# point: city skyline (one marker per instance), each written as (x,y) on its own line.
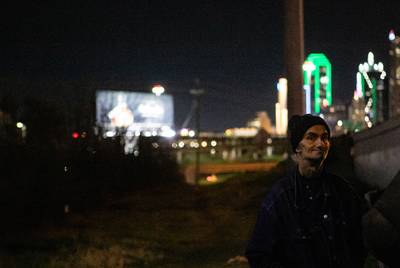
(235,50)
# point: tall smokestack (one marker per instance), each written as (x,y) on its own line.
(294,55)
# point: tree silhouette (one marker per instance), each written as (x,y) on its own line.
(46,124)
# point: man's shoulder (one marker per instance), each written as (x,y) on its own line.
(284,183)
(343,185)
(279,191)
(339,181)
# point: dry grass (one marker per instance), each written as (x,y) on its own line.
(171,225)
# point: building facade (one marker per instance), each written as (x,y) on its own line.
(281,111)
(317,71)
(372,87)
(394,74)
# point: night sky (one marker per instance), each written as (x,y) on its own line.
(233,48)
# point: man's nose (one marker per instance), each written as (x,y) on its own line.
(320,141)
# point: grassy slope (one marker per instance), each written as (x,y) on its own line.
(173,225)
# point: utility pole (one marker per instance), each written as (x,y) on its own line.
(197,93)
(294,55)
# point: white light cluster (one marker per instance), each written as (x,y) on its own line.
(281,112)
(186,132)
(369,83)
(308,66)
(366,67)
(307,90)
(158,90)
(380,67)
(358,93)
(167,132)
(20,125)
(370,65)
(192,133)
(371,59)
(194,144)
(181,144)
(392,36)
(110,133)
(324,79)
(147,133)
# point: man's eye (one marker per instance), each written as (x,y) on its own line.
(310,137)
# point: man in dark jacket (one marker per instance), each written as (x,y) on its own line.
(310,218)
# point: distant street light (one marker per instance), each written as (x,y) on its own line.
(158,90)
(308,66)
(22,128)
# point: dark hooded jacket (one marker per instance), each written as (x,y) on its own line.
(310,223)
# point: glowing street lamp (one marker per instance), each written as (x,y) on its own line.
(158,90)
(20,125)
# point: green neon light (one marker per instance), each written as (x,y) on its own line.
(306,80)
(362,85)
(374,99)
(317,99)
(319,60)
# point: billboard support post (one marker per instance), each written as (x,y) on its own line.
(197,93)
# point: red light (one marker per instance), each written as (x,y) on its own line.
(75,135)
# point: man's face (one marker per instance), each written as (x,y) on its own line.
(315,144)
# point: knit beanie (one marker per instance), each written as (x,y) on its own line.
(299,124)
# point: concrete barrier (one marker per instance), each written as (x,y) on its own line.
(376,153)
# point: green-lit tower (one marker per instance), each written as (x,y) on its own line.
(317,71)
(371,86)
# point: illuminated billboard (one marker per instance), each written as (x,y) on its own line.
(133,111)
